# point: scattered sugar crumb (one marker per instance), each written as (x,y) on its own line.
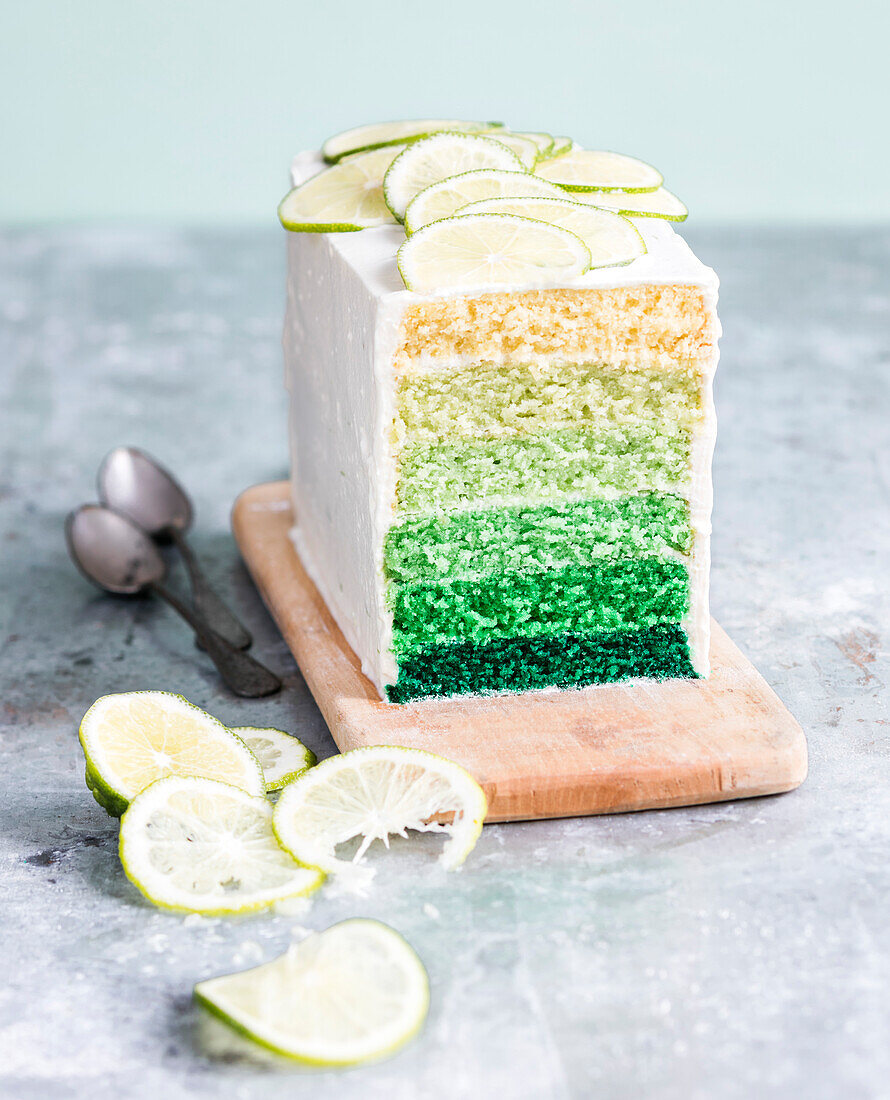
(431,911)
(292,907)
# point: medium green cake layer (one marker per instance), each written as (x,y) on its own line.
(497,399)
(541,468)
(492,541)
(522,664)
(604,595)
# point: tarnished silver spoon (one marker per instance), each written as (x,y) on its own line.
(134,484)
(115,554)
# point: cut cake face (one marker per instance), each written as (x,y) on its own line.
(504,490)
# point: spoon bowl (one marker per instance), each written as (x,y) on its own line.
(136,485)
(114,553)
(111,551)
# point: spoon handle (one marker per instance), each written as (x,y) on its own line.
(208,605)
(244,675)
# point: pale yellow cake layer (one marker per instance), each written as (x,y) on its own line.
(668,327)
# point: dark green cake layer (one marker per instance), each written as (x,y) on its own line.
(478,543)
(606,594)
(523,664)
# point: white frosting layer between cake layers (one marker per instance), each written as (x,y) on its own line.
(345,301)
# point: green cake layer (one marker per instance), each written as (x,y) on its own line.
(605,595)
(541,468)
(523,664)
(491,541)
(496,399)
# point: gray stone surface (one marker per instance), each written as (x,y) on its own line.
(730,951)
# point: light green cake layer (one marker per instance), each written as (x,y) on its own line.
(498,399)
(542,468)
(497,541)
(603,595)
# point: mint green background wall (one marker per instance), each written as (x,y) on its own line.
(189,110)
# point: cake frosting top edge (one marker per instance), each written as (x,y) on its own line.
(371,253)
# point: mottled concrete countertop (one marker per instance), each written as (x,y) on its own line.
(731,951)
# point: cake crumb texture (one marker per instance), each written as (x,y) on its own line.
(667,326)
(524,664)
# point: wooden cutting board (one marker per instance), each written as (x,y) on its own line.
(636,745)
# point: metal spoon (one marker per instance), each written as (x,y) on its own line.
(112,552)
(133,483)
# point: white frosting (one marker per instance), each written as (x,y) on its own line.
(372,253)
(345,300)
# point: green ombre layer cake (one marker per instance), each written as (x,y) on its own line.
(505,491)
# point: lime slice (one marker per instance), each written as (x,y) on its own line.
(373,792)
(490,250)
(353,993)
(642,204)
(442,199)
(560,146)
(206,847)
(543,142)
(131,739)
(435,158)
(524,148)
(588,170)
(613,241)
(378,134)
(281,756)
(341,199)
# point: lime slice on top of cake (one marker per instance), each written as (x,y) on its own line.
(490,250)
(435,158)
(589,170)
(341,199)
(660,203)
(525,148)
(442,199)
(611,239)
(377,134)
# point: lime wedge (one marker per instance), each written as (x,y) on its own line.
(613,241)
(131,739)
(281,756)
(201,846)
(378,134)
(641,204)
(442,199)
(559,147)
(435,158)
(588,170)
(524,148)
(373,792)
(354,993)
(341,199)
(490,250)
